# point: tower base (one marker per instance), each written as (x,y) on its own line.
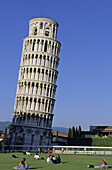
(23,137)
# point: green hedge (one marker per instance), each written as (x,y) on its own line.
(107,142)
(102,142)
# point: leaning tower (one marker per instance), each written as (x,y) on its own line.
(36,86)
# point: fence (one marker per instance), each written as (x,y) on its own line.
(60,149)
(83,150)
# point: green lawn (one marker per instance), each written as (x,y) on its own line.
(70,162)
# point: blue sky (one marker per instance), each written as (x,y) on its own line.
(84,93)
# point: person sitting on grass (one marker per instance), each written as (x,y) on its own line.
(25,164)
(105,161)
(28,153)
(49,159)
(58,159)
(37,157)
(53,159)
(24,152)
(103,166)
(22,165)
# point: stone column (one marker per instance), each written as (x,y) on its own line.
(34,59)
(42,122)
(35,48)
(36,107)
(39,48)
(30,59)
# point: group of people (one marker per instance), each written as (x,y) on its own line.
(103,166)
(51,159)
(42,150)
(54,160)
(26,153)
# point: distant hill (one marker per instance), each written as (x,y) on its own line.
(3,125)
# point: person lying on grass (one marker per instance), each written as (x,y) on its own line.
(103,166)
(14,156)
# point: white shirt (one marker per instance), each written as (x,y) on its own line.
(48,160)
(36,157)
(27,153)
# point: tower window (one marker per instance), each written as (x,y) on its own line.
(47,33)
(35,31)
(53,31)
(41,25)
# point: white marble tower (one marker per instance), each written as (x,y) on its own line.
(36,85)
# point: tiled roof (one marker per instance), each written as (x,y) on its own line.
(64,135)
(107,129)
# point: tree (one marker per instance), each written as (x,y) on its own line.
(73,132)
(77,134)
(3,142)
(6,141)
(69,133)
(57,136)
(0,132)
(80,131)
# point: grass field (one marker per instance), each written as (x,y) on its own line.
(69,162)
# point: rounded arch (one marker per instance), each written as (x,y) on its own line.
(41,25)
(35,31)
